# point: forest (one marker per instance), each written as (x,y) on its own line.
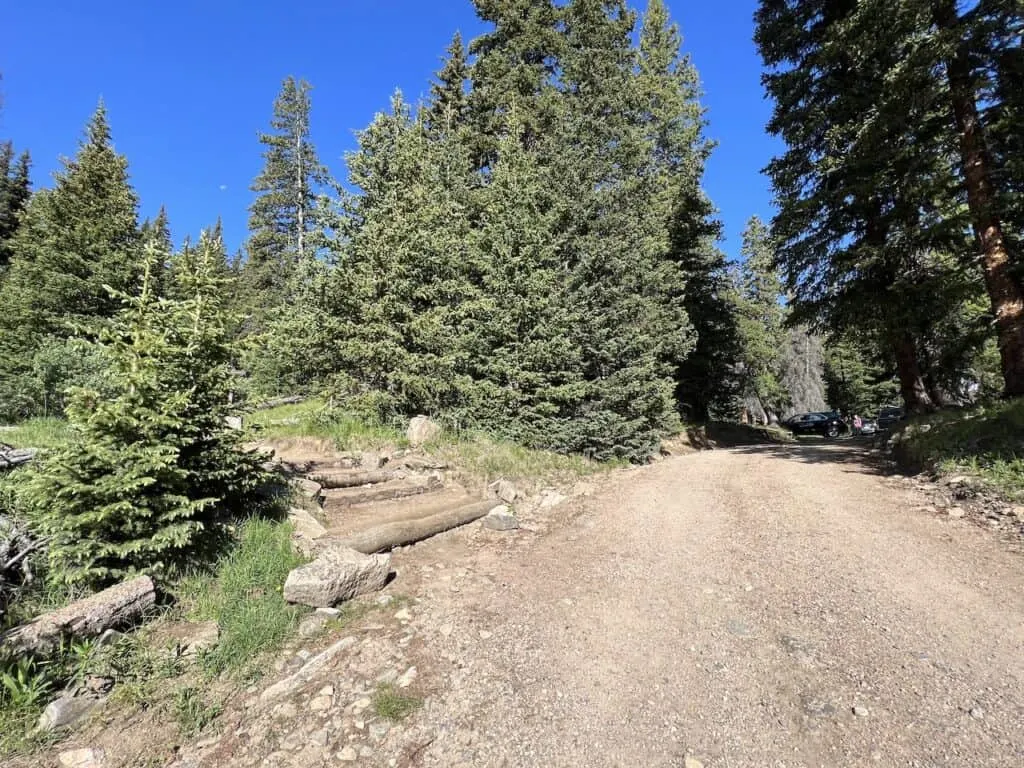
(529,252)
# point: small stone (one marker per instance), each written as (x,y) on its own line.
(1018,512)
(977,713)
(379,731)
(692,762)
(98,685)
(485,635)
(407,678)
(365,751)
(348,755)
(860,711)
(82,758)
(446,630)
(360,725)
(955,512)
(313,624)
(66,711)
(403,615)
(500,519)
(321,704)
(327,690)
(361,705)
(331,613)
(320,738)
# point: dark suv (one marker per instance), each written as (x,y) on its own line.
(824,424)
(889,416)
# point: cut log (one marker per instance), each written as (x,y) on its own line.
(114,607)
(390,535)
(353,479)
(393,489)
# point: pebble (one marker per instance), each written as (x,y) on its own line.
(287,710)
(692,762)
(82,758)
(860,711)
(403,615)
(320,738)
(485,635)
(361,705)
(977,713)
(955,512)
(446,630)
(348,755)
(407,679)
(320,703)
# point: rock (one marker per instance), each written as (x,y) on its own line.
(692,762)
(307,672)
(379,732)
(233,422)
(550,499)
(408,678)
(330,613)
(504,490)
(977,713)
(98,685)
(348,755)
(310,489)
(200,637)
(321,703)
(82,758)
(955,512)
(446,630)
(403,615)
(361,705)
(67,710)
(422,429)
(305,525)
(372,460)
(500,519)
(337,574)
(365,751)
(1018,512)
(320,738)
(860,711)
(311,625)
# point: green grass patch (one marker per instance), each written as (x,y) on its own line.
(392,705)
(489,458)
(314,418)
(42,432)
(987,442)
(192,711)
(244,596)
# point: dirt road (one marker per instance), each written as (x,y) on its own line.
(766,607)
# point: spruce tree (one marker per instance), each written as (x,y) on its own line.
(151,473)
(73,242)
(15,191)
(448,107)
(286,220)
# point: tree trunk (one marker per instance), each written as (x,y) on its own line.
(1005,292)
(114,607)
(353,479)
(391,535)
(912,386)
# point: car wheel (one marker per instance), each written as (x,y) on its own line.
(833,431)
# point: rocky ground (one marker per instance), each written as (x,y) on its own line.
(785,606)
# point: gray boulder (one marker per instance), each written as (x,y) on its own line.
(422,429)
(337,574)
(500,519)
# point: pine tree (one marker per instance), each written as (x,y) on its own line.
(761,321)
(15,191)
(448,109)
(286,220)
(73,242)
(152,472)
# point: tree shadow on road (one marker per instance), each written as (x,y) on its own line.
(854,455)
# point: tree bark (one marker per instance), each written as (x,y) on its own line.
(352,479)
(391,535)
(1005,291)
(114,607)
(912,385)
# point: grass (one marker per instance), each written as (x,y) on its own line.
(244,596)
(314,418)
(987,442)
(392,705)
(42,432)
(489,458)
(192,712)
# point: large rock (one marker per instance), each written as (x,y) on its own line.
(338,574)
(422,429)
(307,529)
(82,758)
(504,490)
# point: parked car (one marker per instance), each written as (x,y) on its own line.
(889,416)
(869,427)
(824,424)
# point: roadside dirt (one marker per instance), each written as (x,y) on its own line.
(782,607)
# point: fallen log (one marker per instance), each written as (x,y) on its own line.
(112,608)
(353,479)
(12,457)
(384,537)
(340,498)
(274,402)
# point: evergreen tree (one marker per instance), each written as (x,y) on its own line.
(761,321)
(448,109)
(287,218)
(73,242)
(15,190)
(152,472)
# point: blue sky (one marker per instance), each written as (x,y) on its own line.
(189,84)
